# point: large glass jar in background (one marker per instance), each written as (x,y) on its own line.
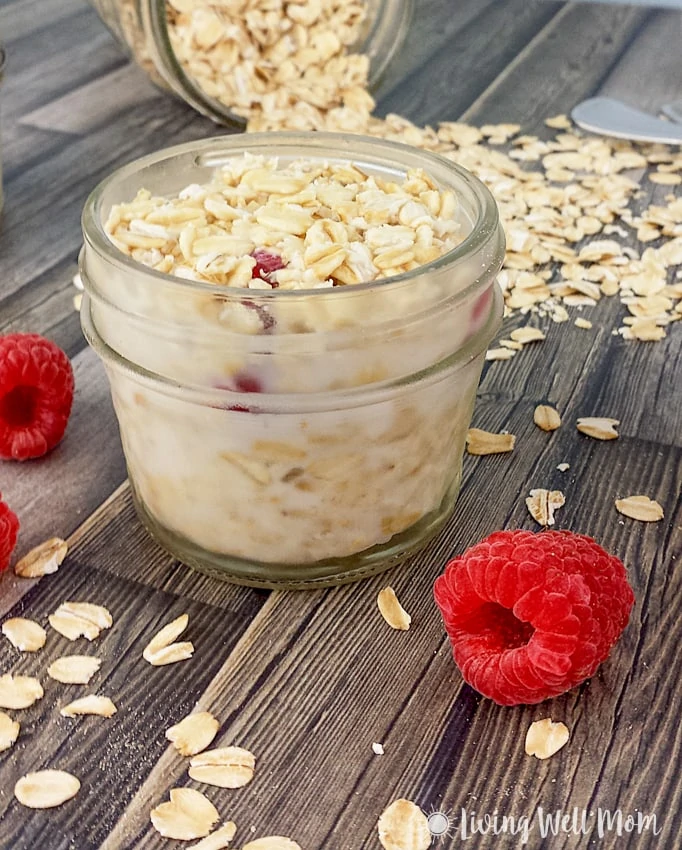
(142,29)
(325,447)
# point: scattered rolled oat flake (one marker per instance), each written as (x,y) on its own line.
(546,417)
(77,301)
(161,650)
(665,179)
(194,733)
(9,731)
(101,706)
(542,504)
(46,789)
(640,507)
(74,669)
(80,619)
(527,334)
(558,122)
(545,737)
(226,767)
(378,749)
(188,815)
(392,611)
(499,354)
(585,324)
(488,443)
(598,427)
(217,840)
(563,467)
(43,560)
(25,635)
(19,691)
(272,842)
(404,826)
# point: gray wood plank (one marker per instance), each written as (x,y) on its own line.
(111,757)
(459,70)
(562,65)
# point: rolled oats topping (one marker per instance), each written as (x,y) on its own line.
(226,767)
(80,619)
(304,225)
(276,62)
(404,826)
(92,704)
(43,560)
(46,789)
(74,669)
(392,611)
(545,737)
(9,731)
(188,815)
(19,691)
(542,504)
(25,635)
(194,733)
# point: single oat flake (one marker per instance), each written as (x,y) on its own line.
(187,816)
(9,731)
(542,504)
(217,840)
(194,733)
(43,560)
(80,619)
(392,611)
(25,635)
(598,427)
(161,650)
(46,789)
(226,767)
(546,417)
(481,442)
(641,508)
(545,737)
(101,706)
(403,826)
(19,691)
(272,842)
(74,669)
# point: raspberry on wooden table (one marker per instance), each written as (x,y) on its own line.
(36,394)
(9,529)
(532,615)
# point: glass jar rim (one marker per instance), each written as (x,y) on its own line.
(298,402)
(218,149)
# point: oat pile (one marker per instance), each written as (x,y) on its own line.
(274,62)
(566,203)
(322,225)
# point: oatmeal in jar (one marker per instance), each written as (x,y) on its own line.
(293,337)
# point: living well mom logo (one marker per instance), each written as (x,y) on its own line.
(467,824)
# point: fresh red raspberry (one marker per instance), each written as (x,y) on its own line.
(267,262)
(36,393)
(9,528)
(532,615)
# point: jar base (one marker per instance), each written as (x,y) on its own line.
(328,573)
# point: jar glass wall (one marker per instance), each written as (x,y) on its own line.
(344,453)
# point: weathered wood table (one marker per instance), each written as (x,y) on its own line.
(308,681)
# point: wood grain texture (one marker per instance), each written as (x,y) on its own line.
(308,681)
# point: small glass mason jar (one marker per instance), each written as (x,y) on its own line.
(142,28)
(323,444)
